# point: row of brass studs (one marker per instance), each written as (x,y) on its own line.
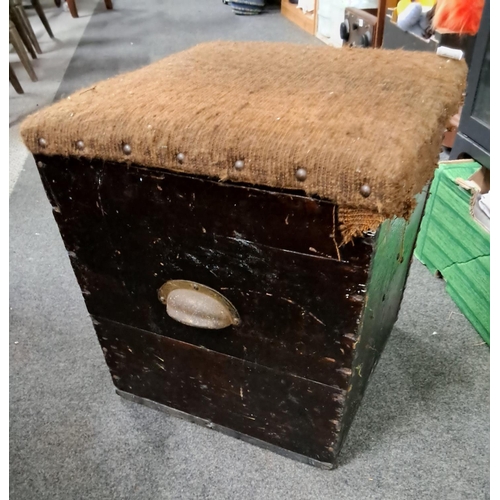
(300,173)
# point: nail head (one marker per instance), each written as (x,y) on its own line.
(180,157)
(80,145)
(301,174)
(365,190)
(238,165)
(42,142)
(127,149)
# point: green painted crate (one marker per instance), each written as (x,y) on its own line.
(452,243)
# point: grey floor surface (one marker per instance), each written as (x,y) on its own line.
(422,431)
(50,67)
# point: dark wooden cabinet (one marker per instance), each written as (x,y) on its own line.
(311,327)
(473,135)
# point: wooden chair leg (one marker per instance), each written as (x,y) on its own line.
(72,7)
(58,3)
(27,25)
(15,40)
(19,25)
(41,14)
(14,81)
(109,4)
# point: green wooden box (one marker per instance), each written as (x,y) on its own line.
(451,242)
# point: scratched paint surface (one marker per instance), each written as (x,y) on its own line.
(283,374)
(388,274)
(128,232)
(290,412)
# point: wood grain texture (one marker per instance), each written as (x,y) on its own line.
(305,21)
(128,231)
(290,412)
(388,274)
(452,243)
(312,326)
(225,430)
(74,196)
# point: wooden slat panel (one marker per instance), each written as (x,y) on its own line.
(388,274)
(305,21)
(129,230)
(299,312)
(74,195)
(453,243)
(289,412)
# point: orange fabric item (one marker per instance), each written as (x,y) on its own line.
(458,16)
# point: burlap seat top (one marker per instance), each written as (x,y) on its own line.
(364,125)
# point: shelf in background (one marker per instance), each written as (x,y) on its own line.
(305,21)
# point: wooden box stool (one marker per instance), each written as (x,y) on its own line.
(241,218)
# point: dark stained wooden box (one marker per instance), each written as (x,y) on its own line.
(291,374)
(156,179)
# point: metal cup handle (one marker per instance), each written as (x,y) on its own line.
(197,305)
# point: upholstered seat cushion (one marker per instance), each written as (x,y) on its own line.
(364,126)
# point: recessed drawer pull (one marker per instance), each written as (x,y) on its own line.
(197,305)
